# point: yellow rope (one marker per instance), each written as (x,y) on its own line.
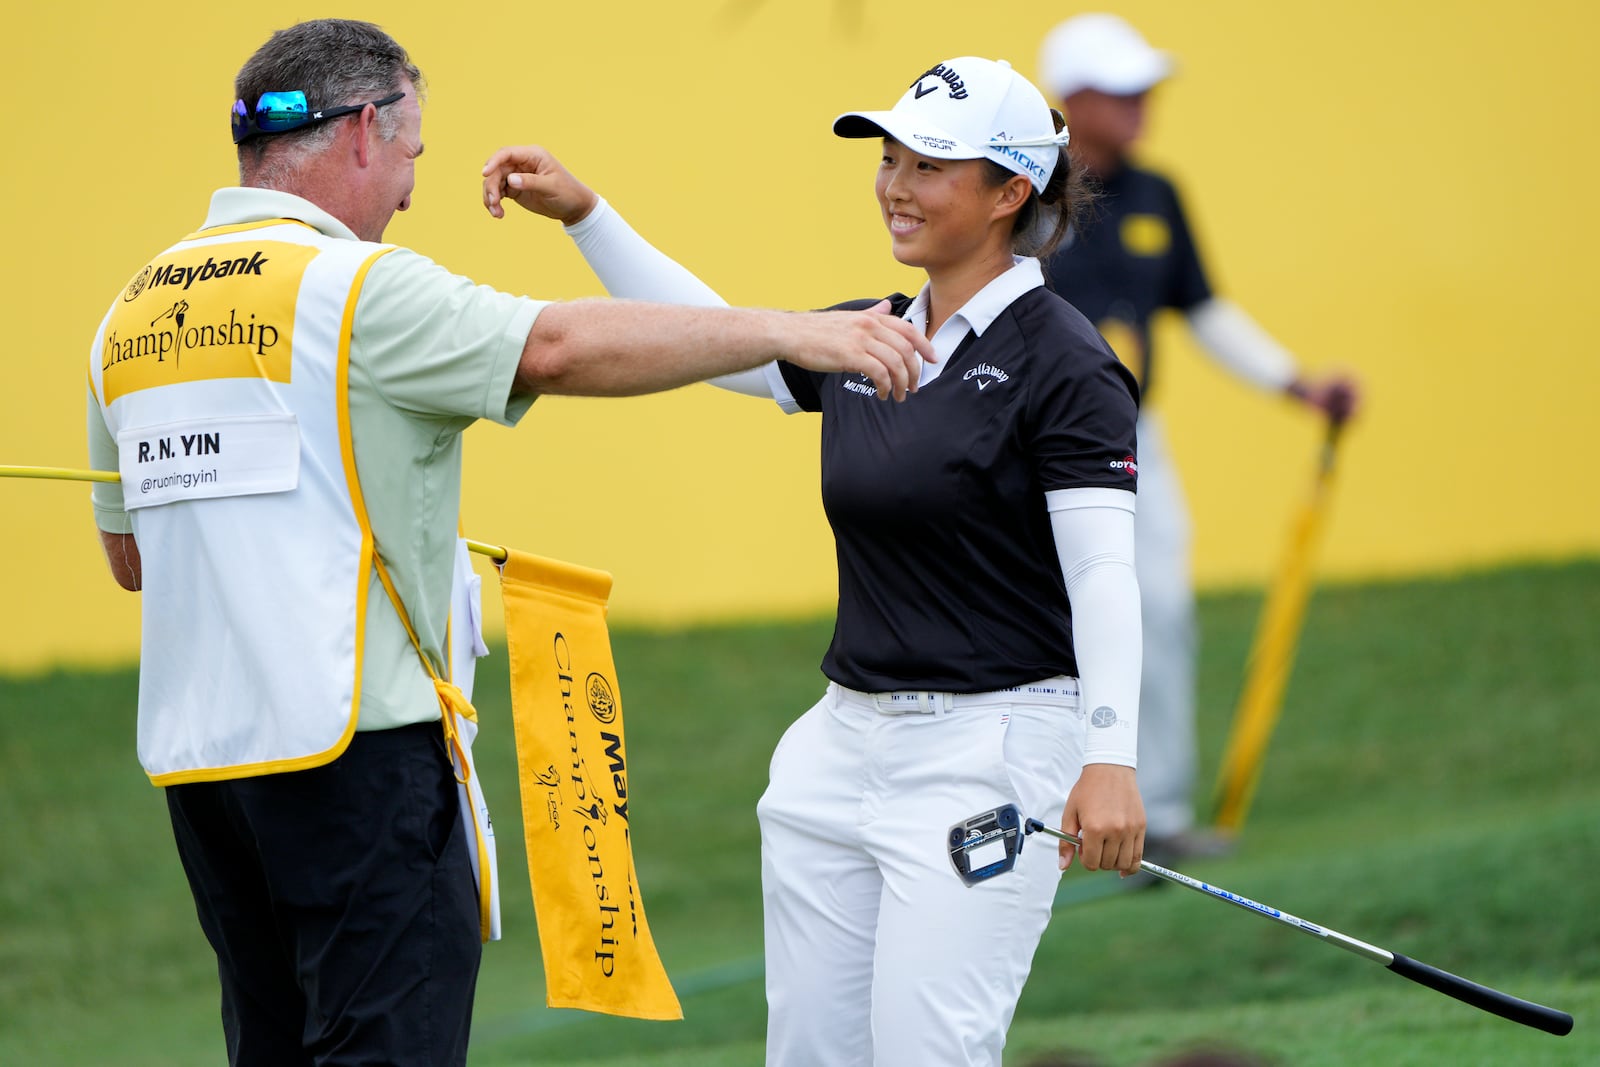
(74,474)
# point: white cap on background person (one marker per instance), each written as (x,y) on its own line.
(1102,52)
(970,108)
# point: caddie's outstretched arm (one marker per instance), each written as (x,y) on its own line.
(625,348)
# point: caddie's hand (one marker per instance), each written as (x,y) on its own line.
(1105,813)
(1335,395)
(535,179)
(884,347)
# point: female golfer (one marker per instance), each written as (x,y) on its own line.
(986,650)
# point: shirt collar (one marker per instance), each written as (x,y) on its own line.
(986,305)
(236,205)
(976,315)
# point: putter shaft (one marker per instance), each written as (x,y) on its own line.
(1526,1012)
(1350,944)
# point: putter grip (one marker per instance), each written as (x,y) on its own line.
(1504,1005)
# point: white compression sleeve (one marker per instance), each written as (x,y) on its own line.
(1094,540)
(632,268)
(1237,342)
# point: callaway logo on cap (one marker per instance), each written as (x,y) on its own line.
(970,108)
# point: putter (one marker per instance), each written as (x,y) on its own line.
(986,844)
(1550,1020)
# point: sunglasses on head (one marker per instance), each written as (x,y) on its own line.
(1059,139)
(282,112)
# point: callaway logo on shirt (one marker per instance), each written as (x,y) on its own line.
(986,374)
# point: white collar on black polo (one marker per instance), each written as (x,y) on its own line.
(977,314)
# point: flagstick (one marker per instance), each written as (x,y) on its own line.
(494,552)
(75,474)
(1272,652)
(61,474)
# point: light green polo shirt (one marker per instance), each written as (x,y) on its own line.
(430,354)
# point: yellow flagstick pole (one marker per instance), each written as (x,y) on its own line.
(494,552)
(60,474)
(1272,653)
(78,474)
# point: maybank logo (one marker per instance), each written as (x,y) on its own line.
(138,284)
(217,311)
(185,276)
(602,701)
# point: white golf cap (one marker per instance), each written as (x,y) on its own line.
(1099,52)
(970,108)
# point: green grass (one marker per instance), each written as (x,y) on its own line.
(1432,789)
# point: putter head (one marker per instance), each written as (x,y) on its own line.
(987,844)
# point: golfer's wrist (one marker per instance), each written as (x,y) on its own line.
(1111,757)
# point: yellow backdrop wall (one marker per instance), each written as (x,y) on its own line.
(1403,190)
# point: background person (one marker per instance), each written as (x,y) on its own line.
(291,464)
(986,648)
(1133,257)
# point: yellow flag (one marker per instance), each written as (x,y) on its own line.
(572,767)
(1272,653)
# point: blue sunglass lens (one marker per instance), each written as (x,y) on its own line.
(280,112)
(276,112)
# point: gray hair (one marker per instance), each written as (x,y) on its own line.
(334,62)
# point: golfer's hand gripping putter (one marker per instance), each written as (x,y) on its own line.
(987,844)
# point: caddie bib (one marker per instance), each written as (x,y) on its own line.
(222,371)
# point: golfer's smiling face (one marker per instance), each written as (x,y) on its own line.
(940,212)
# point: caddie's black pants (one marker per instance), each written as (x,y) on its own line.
(341,905)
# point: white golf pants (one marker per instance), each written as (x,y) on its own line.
(1167,757)
(877,953)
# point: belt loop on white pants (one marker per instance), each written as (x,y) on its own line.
(1059,690)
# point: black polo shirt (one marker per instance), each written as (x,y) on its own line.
(1133,257)
(948,573)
